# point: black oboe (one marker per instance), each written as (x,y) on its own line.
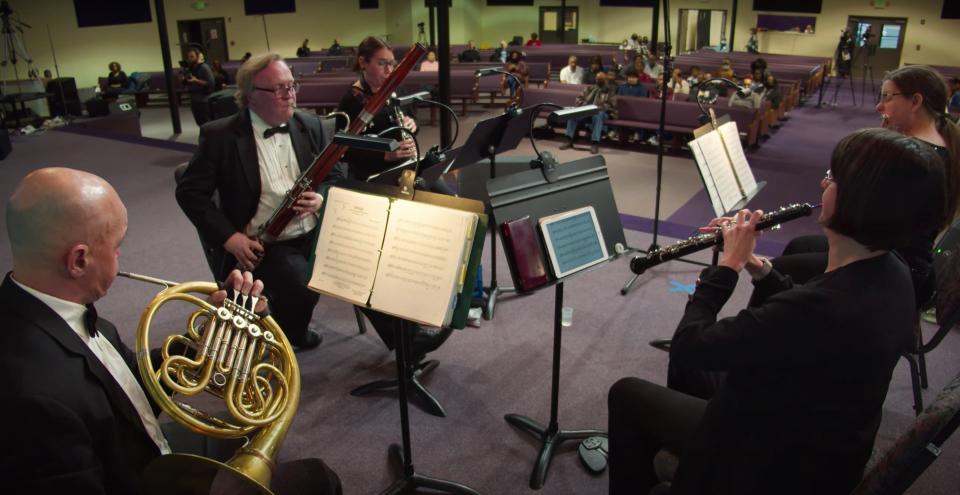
(700,242)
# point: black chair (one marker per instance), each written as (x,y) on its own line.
(897,468)
(946,302)
(891,472)
(917,361)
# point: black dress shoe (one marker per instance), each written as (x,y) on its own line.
(426,341)
(311,340)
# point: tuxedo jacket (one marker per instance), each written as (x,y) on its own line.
(69,425)
(226,163)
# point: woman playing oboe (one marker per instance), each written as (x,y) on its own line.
(808,366)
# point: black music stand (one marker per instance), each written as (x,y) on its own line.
(407,374)
(402,455)
(538,193)
(491,136)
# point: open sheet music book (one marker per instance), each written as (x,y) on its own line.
(406,258)
(723,166)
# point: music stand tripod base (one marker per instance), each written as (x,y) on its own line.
(423,397)
(409,480)
(551,436)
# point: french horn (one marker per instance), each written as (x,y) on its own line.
(236,355)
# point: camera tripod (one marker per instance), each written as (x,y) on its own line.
(844,69)
(868,69)
(11,44)
(421,35)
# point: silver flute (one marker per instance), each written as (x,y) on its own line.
(699,242)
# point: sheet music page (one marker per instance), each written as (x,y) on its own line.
(424,254)
(348,247)
(719,165)
(708,181)
(731,136)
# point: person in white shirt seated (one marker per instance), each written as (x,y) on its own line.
(572,73)
(653,68)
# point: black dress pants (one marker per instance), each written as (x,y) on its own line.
(200,109)
(645,418)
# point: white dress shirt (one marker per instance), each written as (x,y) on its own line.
(279,171)
(568,76)
(72,313)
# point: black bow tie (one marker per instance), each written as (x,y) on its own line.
(90,320)
(273,130)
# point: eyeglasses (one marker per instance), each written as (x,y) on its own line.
(384,63)
(885,97)
(282,90)
(828,177)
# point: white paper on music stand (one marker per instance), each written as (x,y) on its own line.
(348,247)
(731,136)
(424,258)
(708,181)
(716,160)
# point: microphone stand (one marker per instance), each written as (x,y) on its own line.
(495,289)
(667,70)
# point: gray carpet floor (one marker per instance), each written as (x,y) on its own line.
(502,367)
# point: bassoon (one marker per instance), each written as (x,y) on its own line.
(328,158)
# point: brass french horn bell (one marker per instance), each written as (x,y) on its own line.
(231,352)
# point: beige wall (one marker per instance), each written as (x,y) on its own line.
(937,37)
(84,53)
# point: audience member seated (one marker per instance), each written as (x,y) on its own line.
(518,67)
(304,50)
(726,69)
(596,67)
(470,54)
(653,67)
(637,69)
(695,77)
(758,69)
(534,40)
(603,96)
(220,77)
(572,73)
(430,64)
(678,85)
(117,81)
(657,88)
(500,53)
(781,422)
(751,101)
(633,87)
(335,48)
(771,91)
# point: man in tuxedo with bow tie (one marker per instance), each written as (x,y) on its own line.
(79,420)
(250,160)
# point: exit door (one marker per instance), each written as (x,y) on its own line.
(208,33)
(551,28)
(880,51)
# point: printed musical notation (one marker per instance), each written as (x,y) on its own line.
(573,240)
(348,249)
